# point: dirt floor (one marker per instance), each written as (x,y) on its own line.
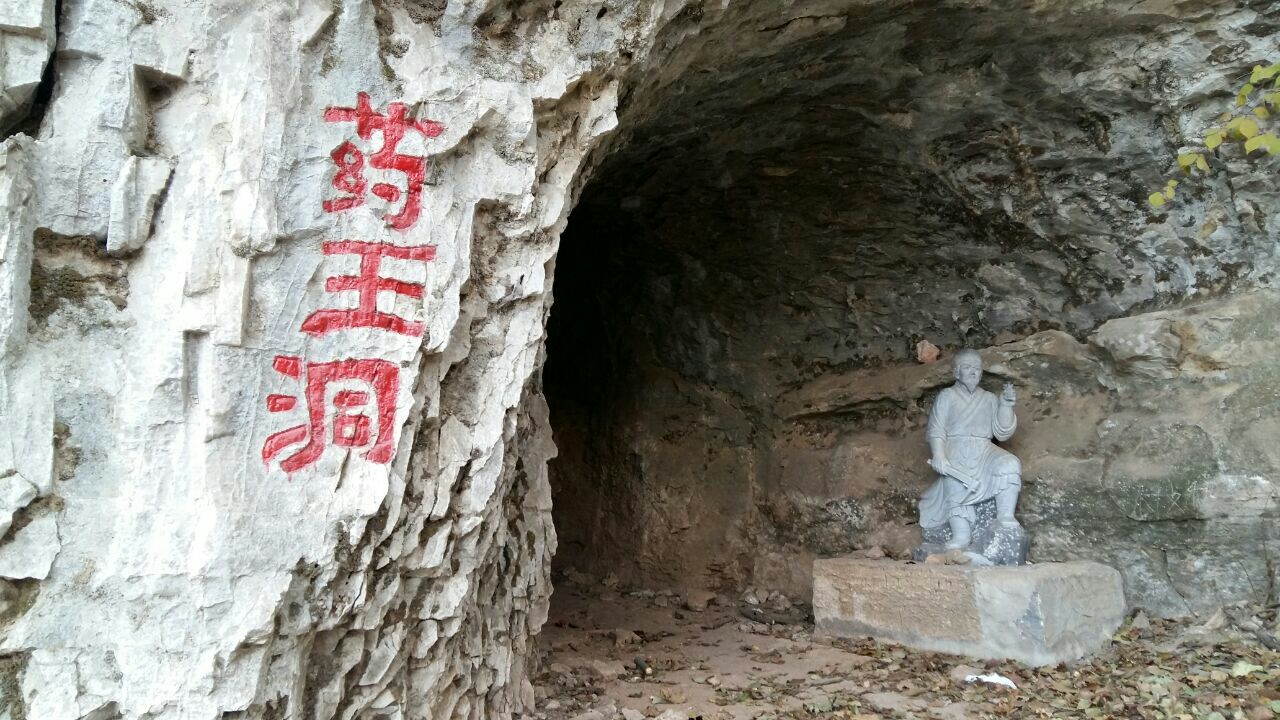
(610,654)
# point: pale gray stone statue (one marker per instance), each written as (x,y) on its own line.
(973,470)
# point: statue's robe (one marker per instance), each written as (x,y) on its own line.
(967,422)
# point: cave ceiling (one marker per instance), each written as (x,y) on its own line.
(847,181)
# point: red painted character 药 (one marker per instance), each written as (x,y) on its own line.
(362,397)
(368,284)
(350,161)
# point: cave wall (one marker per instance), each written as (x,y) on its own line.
(778,222)
(1146,446)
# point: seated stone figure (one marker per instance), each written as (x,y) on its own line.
(972,469)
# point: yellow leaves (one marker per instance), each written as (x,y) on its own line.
(1255,128)
(1158,199)
(1267,141)
(1243,128)
(1261,73)
(1237,128)
(1243,98)
(1187,161)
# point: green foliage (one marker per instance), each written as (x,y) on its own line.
(1250,125)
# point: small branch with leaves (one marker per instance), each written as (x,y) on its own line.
(1250,124)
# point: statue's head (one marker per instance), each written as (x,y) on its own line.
(967,366)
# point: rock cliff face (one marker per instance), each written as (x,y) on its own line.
(277,441)
(236,484)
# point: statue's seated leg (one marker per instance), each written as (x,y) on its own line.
(960,533)
(1007,498)
(960,517)
(1006,501)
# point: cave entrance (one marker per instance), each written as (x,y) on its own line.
(754,228)
(778,205)
(789,207)
(798,210)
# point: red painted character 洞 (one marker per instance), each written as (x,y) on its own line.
(368,284)
(350,161)
(342,386)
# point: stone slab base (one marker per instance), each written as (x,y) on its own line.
(1036,614)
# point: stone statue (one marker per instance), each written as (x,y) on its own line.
(973,472)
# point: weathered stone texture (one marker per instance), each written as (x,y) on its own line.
(1037,614)
(26,40)
(161,244)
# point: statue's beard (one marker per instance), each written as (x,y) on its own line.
(969,385)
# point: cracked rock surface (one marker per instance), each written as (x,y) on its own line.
(783,199)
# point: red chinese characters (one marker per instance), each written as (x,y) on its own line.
(351,403)
(350,180)
(368,284)
(362,397)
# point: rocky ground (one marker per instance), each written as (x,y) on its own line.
(610,653)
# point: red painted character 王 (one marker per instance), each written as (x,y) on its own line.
(368,284)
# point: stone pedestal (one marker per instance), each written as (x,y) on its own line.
(1036,614)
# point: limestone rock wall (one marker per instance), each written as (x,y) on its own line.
(26,41)
(232,485)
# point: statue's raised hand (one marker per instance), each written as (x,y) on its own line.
(1009,396)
